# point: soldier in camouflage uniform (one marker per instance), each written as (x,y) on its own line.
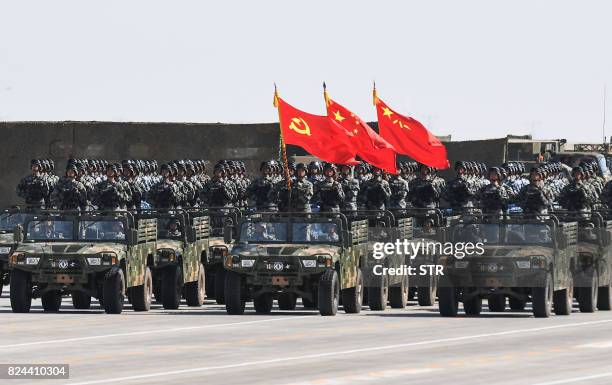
(363,175)
(301,192)
(135,189)
(350,186)
(424,190)
(34,188)
(578,196)
(69,193)
(399,191)
(495,196)
(110,194)
(536,197)
(377,190)
(329,192)
(314,172)
(460,192)
(166,193)
(262,193)
(218,192)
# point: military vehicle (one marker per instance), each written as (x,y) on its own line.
(523,258)
(592,278)
(382,287)
(430,228)
(314,256)
(102,254)
(218,247)
(9,219)
(182,248)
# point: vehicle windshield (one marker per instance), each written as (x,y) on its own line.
(49,230)
(106,230)
(169,228)
(511,234)
(315,232)
(8,221)
(263,232)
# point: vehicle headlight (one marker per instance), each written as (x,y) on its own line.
(538,262)
(523,264)
(32,260)
(5,250)
(247,262)
(167,255)
(325,259)
(109,259)
(16,258)
(230,260)
(94,261)
(309,263)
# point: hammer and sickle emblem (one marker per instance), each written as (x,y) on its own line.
(296,125)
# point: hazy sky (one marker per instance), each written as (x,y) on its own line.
(473,69)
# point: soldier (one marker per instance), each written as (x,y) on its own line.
(110,193)
(350,186)
(135,189)
(577,196)
(399,191)
(262,192)
(301,192)
(69,193)
(314,172)
(494,196)
(377,190)
(34,188)
(535,198)
(166,193)
(423,192)
(461,191)
(329,192)
(363,176)
(218,192)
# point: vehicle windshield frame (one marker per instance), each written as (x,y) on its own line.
(98,220)
(290,231)
(502,234)
(39,220)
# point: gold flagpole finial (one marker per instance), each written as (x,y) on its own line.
(374,93)
(275,102)
(325,95)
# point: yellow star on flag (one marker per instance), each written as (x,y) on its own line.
(338,116)
(387,112)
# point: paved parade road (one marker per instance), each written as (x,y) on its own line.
(206,346)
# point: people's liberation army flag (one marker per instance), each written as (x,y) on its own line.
(409,136)
(371,147)
(318,135)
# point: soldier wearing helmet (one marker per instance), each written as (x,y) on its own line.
(218,192)
(110,194)
(328,192)
(34,188)
(166,193)
(377,190)
(350,186)
(262,192)
(69,193)
(301,192)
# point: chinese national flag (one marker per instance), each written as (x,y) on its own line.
(318,135)
(371,147)
(410,137)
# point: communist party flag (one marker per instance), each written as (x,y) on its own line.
(318,135)
(409,136)
(371,147)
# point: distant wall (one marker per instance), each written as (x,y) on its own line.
(23,141)
(489,151)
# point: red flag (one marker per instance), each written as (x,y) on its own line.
(371,147)
(409,136)
(318,135)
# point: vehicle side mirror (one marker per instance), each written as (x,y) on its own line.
(191,232)
(228,234)
(133,237)
(18,234)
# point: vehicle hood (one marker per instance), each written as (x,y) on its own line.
(282,249)
(72,248)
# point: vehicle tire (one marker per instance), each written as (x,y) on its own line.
(157,290)
(497,303)
(411,293)
(171,285)
(588,295)
(287,301)
(328,292)
(398,295)
(220,285)
(473,306)
(308,304)
(234,303)
(142,295)
(210,283)
(563,300)
(352,298)
(195,291)
(427,295)
(542,298)
(114,291)
(51,300)
(604,298)
(80,300)
(378,296)
(20,291)
(448,301)
(263,303)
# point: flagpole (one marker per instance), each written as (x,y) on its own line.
(282,143)
(375,94)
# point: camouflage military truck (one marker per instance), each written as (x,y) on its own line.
(102,254)
(522,258)
(218,248)
(381,286)
(9,219)
(592,278)
(430,229)
(285,255)
(182,248)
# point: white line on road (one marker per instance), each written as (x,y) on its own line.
(152,331)
(337,353)
(576,379)
(599,345)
